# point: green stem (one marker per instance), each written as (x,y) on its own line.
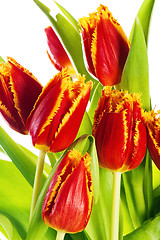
(37,180)
(60,235)
(115,206)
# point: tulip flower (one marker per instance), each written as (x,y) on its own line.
(119,131)
(120,136)
(19,90)
(106,46)
(152,121)
(57,55)
(54,122)
(68,201)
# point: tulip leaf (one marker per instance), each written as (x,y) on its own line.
(10,230)
(133,185)
(99,223)
(1,59)
(94,101)
(25,163)
(149,230)
(135,76)
(69,16)
(15,198)
(94,167)
(144,15)
(71,40)
(86,126)
(38,228)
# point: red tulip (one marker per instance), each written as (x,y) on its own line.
(58,112)
(19,90)
(57,55)
(119,131)
(68,201)
(106,46)
(152,121)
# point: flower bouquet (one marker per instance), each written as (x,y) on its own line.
(94,124)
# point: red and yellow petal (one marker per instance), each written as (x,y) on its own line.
(106,46)
(70,194)
(57,54)
(152,122)
(112,140)
(24,87)
(56,117)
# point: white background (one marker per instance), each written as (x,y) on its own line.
(22,37)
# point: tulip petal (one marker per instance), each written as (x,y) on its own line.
(69,195)
(25,89)
(7,106)
(56,110)
(110,49)
(58,54)
(113,136)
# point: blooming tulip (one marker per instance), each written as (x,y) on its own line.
(119,131)
(19,90)
(58,112)
(106,46)
(152,121)
(57,55)
(68,201)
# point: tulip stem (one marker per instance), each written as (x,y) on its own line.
(60,235)
(115,206)
(37,180)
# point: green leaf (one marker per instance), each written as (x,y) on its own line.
(99,223)
(69,16)
(38,228)
(144,15)
(150,230)
(94,167)
(133,185)
(15,197)
(135,76)
(86,126)
(22,160)
(11,231)
(1,60)
(94,101)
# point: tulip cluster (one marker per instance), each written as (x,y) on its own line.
(52,115)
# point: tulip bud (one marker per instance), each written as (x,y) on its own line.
(106,46)
(19,90)
(119,131)
(54,122)
(68,201)
(57,55)
(152,121)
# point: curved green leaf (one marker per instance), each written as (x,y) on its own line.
(69,16)
(38,228)
(9,228)
(94,101)
(1,59)
(94,167)
(99,223)
(144,15)
(15,197)
(150,230)
(135,76)
(22,160)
